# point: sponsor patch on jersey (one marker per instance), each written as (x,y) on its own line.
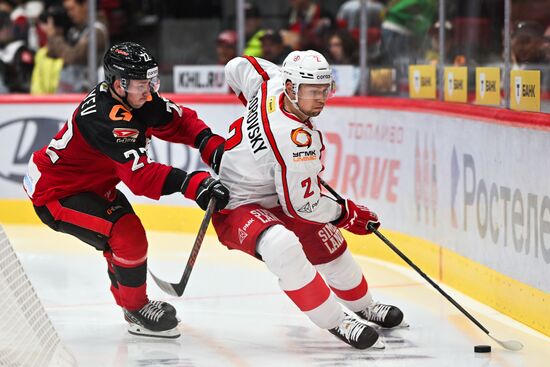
(301,138)
(304,156)
(308,207)
(271,104)
(120,113)
(125,135)
(242,235)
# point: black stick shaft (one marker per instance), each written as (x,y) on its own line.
(196,247)
(413,265)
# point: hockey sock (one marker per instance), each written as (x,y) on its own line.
(112,277)
(345,278)
(128,243)
(283,254)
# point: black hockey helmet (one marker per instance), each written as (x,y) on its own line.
(129,61)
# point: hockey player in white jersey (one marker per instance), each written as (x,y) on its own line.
(277,212)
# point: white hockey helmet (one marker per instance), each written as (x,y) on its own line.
(306,67)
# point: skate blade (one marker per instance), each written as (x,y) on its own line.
(402,325)
(141,331)
(378,345)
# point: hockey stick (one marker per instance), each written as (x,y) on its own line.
(507,344)
(176,289)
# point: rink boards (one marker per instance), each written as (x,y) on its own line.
(460,189)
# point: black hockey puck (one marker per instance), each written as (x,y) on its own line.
(482,349)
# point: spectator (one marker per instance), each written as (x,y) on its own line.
(546,44)
(16,60)
(25,19)
(74,48)
(273,48)
(527,43)
(226,46)
(311,22)
(47,70)
(404,29)
(348,16)
(342,48)
(7,6)
(451,55)
(253,31)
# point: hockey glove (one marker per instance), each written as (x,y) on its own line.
(211,148)
(355,218)
(200,186)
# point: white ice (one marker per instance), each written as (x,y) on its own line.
(233,313)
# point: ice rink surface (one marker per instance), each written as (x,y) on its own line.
(233,313)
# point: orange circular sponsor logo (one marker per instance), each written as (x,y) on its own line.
(300,137)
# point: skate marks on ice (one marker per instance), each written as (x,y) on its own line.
(233,313)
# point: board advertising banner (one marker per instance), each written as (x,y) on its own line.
(488,86)
(456,84)
(525,90)
(422,82)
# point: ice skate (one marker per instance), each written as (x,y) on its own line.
(386,316)
(152,321)
(165,306)
(357,334)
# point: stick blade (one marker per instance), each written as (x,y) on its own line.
(166,287)
(512,345)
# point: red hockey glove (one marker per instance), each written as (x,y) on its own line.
(355,218)
(200,186)
(212,148)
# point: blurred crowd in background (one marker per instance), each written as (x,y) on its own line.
(43,44)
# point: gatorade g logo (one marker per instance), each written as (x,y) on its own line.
(120,113)
(300,137)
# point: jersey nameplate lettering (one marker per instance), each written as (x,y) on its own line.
(254,133)
(88,106)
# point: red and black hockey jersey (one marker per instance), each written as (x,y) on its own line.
(104,143)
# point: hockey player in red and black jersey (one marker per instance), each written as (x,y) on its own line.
(72,180)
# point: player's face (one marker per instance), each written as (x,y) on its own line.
(139,91)
(312,98)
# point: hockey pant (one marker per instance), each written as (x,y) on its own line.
(112,227)
(283,254)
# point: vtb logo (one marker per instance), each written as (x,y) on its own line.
(22,137)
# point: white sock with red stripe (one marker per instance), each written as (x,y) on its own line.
(345,278)
(283,255)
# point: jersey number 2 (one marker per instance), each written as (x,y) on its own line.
(307,185)
(134,153)
(61,143)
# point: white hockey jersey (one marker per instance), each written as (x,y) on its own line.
(271,158)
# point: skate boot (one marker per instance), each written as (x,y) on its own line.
(357,334)
(152,321)
(386,316)
(165,306)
